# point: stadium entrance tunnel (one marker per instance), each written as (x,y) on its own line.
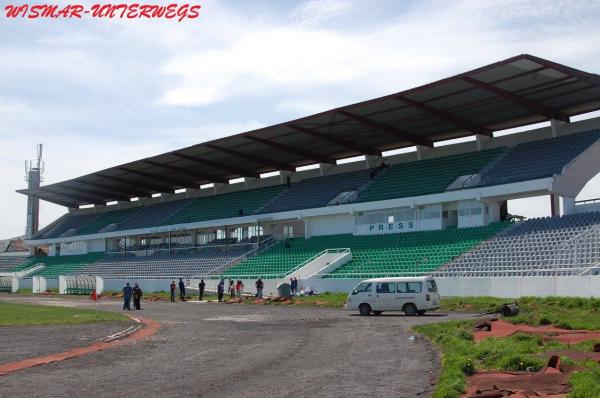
(80,284)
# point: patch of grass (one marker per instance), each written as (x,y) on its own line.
(461,356)
(564,312)
(14,314)
(332,300)
(586,383)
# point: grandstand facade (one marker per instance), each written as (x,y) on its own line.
(247,206)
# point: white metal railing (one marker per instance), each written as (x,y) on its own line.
(371,274)
(25,272)
(587,201)
(305,262)
(579,252)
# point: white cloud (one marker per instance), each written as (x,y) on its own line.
(99,93)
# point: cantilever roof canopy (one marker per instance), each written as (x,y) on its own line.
(518,91)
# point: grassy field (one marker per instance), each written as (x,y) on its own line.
(12,314)
(461,356)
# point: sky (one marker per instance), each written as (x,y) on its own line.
(100,92)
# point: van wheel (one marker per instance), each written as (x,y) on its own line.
(410,309)
(421,312)
(364,309)
(377,312)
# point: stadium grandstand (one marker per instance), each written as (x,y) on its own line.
(292,200)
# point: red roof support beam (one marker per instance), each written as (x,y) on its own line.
(134,183)
(167,180)
(359,148)
(449,117)
(533,106)
(195,174)
(297,151)
(256,159)
(386,128)
(232,169)
(588,77)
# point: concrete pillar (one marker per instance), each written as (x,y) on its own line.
(324,167)
(568,205)
(422,151)
(249,182)
(372,161)
(218,187)
(481,141)
(556,126)
(283,175)
(554,205)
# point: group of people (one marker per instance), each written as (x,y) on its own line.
(173,287)
(235,290)
(128,293)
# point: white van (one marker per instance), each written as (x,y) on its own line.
(414,296)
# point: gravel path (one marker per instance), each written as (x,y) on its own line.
(240,350)
(22,342)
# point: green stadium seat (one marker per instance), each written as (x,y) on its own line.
(400,254)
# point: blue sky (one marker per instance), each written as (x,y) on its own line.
(101,92)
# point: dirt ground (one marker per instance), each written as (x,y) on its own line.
(237,350)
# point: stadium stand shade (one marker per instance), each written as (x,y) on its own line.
(452,197)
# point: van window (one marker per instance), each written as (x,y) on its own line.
(363,287)
(409,287)
(386,287)
(431,287)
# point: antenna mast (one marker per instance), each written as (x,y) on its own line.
(34,176)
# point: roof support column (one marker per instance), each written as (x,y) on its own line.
(250,182)
(323,168)
(568,205)
(422,151)
(482,141)
(554,205)
(556,126)
(218,187)
(372,161)
(285,176)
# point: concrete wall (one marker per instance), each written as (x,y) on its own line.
(566,286)
(330,225)
(97,245)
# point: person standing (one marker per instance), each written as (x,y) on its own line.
(220,290)
(201,286)
(137,297)
(231,290)
(295,285)
(181,290)
(172,291)
(239,288)
(259,288)
(127,292)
